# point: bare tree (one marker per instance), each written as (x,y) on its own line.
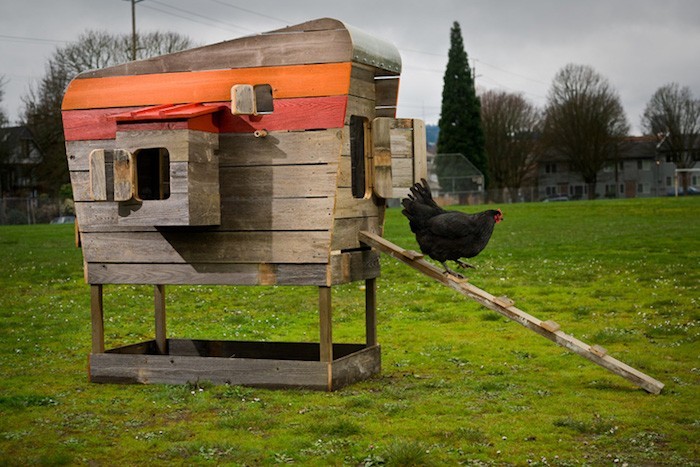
(511,127)
(42,104)
(674,116)
(584,121)
(4,121)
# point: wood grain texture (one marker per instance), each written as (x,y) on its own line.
(207,273)
(98,176)
(123,170)
(312,113)
(277,48)
(293,81)
(280,148)
(258,364)
(206,247)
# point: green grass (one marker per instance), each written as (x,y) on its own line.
(459,384)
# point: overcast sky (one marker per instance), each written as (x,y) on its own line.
(514,45)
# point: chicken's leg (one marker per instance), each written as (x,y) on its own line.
(450,271)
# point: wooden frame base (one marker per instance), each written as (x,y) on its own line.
(257,364)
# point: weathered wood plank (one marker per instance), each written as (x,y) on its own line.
(356,367)
(325,309)
(280,148)
(353,266)
(362,82)
(236,214)
(169,369)
(259,364)
(310,113)
(359,106)
(279,181)
(123,170)
(381,156)
(242,99)
(371,312)
(206,247)
(182,145)
(348,206)
(98,177)
(511,312)
(315,80)
(97,317)
(159,305)
(420,149)
(207,274)
(347,229)
(277,214)
(264,50)
(387,91)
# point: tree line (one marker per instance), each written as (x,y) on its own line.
(504,135)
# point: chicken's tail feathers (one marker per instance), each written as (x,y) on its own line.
(419,205)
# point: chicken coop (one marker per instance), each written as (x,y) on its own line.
(255,161)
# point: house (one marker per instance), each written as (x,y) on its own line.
(255,161)
(19,158)
(641,171)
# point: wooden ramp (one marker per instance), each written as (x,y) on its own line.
(505,307)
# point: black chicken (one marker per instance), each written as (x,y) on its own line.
(447,235)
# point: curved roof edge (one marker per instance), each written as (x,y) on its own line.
(373,51)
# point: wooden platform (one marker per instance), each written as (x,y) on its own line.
(258,364)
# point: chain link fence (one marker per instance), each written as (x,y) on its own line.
(35,210)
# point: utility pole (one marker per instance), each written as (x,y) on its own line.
(133,27)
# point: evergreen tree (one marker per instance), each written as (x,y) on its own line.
(460,119)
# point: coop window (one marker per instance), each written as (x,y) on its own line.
(247,99)
(358,158)
(152,174)
(263,99)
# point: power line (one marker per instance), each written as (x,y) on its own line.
(187,12)
(250,11)
(38,40)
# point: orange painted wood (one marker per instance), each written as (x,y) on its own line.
(206,86)
(290,114)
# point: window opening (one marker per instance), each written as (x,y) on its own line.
(358,127)
(152,174)
(263,99)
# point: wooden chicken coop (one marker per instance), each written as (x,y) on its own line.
(255,161)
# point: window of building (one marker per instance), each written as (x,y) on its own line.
(550,168)
(152,174)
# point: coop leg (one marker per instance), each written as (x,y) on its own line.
(324,308)
(97,316)
(371,312)
(159,301)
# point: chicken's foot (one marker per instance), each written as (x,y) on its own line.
(450,271)
(464,265)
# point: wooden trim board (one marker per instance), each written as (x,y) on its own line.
(258,364)
(206,86)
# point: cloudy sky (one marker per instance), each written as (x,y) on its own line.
(514,45)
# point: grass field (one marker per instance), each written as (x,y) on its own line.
(459,383)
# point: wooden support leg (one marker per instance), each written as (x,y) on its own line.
(161,337)
(325,314)
(97,316)
(371,312)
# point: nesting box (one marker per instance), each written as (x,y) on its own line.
(254,161)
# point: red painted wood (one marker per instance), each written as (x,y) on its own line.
(308,113)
